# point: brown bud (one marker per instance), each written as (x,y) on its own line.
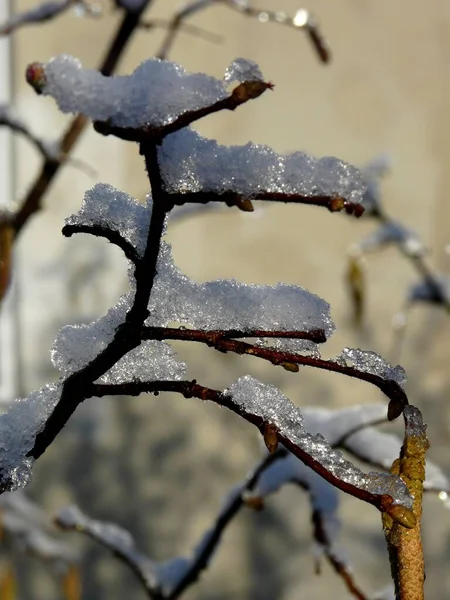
(270,437)
(35,75)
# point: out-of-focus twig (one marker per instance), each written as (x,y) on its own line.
(150,573)
(45,12)
(302,20)
(187,28)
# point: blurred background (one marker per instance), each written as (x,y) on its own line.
(161,466)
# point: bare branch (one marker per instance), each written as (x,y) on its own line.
(302,20)
(112,236)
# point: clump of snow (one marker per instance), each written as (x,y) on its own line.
(19,426)
(151,361)
(268,403)
(191,163)
(76,346)
(228,304)
(155,94)
(242,70)
(107,207)
(371,362)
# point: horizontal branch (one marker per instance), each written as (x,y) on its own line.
(191,389)
(231,198)
(212,337)
(222,343)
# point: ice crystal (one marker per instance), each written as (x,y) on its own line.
(269,404)
(192,163)
(151,361)
(371,362)
(242,70)
(228,304)
(290,345)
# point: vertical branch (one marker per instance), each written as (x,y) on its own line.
(405,543)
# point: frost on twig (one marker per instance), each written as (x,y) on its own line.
(46,11)
(269,405)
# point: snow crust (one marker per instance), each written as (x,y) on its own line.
(228,304)
(107,207)
(77,345)
(24,419)
(267,402)
(192,163)
(155,94)
(368,361)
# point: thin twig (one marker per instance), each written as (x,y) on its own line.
(231,198)
(191,389)
(211,337)
(340,567)
(302,20)
(389,387)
